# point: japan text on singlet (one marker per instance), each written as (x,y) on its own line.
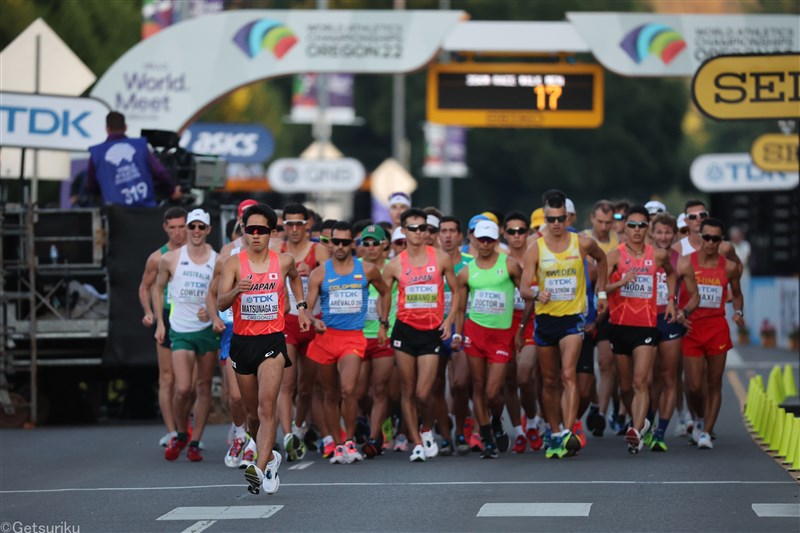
(420,302)
(492,294)
(311,260)
(260,310)
(634,304)
(188,289)
(344,297)
(712,284)
(662,292)
(561,274)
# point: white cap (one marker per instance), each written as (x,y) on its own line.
(654,206)
(433,220)
(397,234)
(681,221)
(200,215)
(486,228)
(570,207)
(400,198)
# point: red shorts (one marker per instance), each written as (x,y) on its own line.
(708,337)
(488,343)
(328,347)
(527,333)
(376,351)
(295,337)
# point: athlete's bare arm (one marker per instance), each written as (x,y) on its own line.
(289,270)
(165,272)
(461,288)
(315,280)
(734,273)
(211,297)
(384,303)
(449,273)
(662,259)
(390,271)
(590,247)
(613,264)
(321,253)
(230,284)
(686,273)
(530,264)
(514,271)
(146,287)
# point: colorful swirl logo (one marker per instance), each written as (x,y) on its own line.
(652,38)
(265,34)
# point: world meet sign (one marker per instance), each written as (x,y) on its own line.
(165,80)
(51,122)
(236,143)
(749,87)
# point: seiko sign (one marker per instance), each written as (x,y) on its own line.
(737,172)
(302,175)
(51,122)
(236,143)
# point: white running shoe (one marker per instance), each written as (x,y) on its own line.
(704,442)
(250,454)
(339,456)
(429,443)
(352,454)
(697,430)
(401,443)
(418,455)
(166,438)
(254,477)
(271,481)
(234,456)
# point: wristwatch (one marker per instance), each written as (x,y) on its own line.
(738,312)
(384,323)
(686,312)
(302,305)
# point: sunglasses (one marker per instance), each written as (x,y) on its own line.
(619,216)
(433,230)
(517,231)
(279,228)
(486,240)
(560,218)
(201,227)
(295,223)
(417,227)
(641,225)
(324,239)
(400,242)
(257,230)
(341,242)
(701,215)
(372,243)
(712,238)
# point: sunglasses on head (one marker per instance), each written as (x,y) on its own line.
(295,223)
(257,230)
(559,218)
(400,242)
(341,242)
(701,215)
(517,231)
(371,243)
(633,224)
(712,238)
(486,240)
(201,227)
(417,227)
(619,216)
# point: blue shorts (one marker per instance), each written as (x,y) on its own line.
(667,331)
(549,330)
(447,346)
(225,342)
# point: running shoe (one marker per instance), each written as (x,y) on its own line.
(577,430)
(704,442)
(447,449)
(174,449)
(193,453)
(502,440)
(696,431)
(271,481)
(658,445)
(489,451)
(634,440)
(231,434)
(164,441)
(681,427)
(291,443)
(370,449)
(418,454)
(571,443)
(647,438)
(469,427)
(594,422)
(613,423)
(300,433)
(249,455)
(401,443)
(351,453)
(535,440)
(555,448)
(462,446)
(388,433)
(623,424)
(339,456)
(548,437)
(254,477)
(310,439)
(328,450)
(234,456)
(362,430)
(476,443)
(520,444)
(429,443)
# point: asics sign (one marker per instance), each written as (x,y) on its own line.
(237,143)
(51,122)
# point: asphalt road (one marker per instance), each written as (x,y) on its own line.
(116,479)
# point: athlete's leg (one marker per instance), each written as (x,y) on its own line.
(551,384)
(669,357)
(381,373)
(166,386)
(625,379)
(477,369)
(270,373)
(206,365)
(570,347)
(328,376)
(349,366)
(643,357)
(183,362)
(693,369)
(248,386)
(427,368)
(526,361)
(715,369)
(605,360)
(459,388)
(236,405)
(288,390)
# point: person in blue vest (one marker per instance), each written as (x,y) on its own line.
(122,169)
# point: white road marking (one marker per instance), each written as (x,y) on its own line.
(534,509)
(776,510)
(240,512)
(301,466)
(197,527)
(400,484)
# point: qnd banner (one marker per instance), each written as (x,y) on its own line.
(236,143)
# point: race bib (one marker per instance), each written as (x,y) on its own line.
(372,308)
(662,294)
(448,301)
(640,288)
(227,315)
(345,301)
(260,307)
(710,296)
(421,296)
(488,302)
(519,302)
(561,289)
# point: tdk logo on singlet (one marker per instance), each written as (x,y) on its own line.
(262,298)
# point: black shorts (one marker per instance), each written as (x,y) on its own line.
(166,343)
(624,339)
(603,327)
(549,330)
(586,357)
(414,341)
(249,351)
(667,331)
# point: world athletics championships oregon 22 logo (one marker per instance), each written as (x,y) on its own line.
(655,39)
(265,33)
